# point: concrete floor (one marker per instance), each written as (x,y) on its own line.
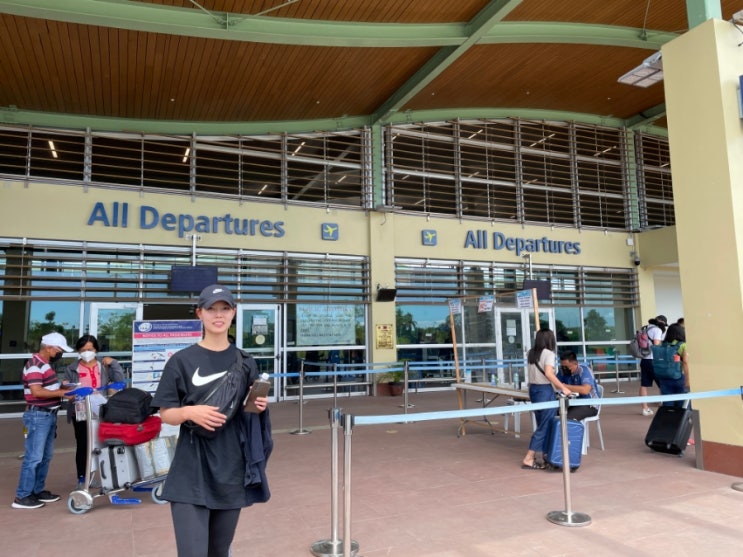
(417,490)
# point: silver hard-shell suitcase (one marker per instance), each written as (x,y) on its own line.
(118,466)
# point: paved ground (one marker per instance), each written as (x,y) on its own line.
(417,490)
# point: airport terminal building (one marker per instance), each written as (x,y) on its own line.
(346,211)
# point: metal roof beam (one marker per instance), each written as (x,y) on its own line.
(126,125)
(477,27)
(192,22)
(646,117)
(699,11)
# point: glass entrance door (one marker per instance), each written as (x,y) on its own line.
(111,324)
(259,335)
(516,329)
(511,335)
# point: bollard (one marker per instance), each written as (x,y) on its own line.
(334,367)
(301,430)
(331,547)
(405,404)
(350,547)
(616,375)
(566,517)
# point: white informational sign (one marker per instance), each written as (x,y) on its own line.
(325,324)
(154,342)
(523,299)
(260,325)
(485,304)
(455,306)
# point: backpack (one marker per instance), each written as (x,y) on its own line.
(228,393)
(666,361)
(127,406)
(641,345)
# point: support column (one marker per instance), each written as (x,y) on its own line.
(701,73)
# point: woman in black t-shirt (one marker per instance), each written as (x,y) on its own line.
(205,483)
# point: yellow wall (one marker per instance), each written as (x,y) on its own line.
(701,71)
(40,210)
(62,212)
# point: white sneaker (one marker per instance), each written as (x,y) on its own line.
(647,412)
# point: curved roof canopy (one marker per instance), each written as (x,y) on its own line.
(260,66)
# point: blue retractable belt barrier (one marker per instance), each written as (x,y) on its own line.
(475,412)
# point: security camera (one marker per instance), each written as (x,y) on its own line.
(636,260)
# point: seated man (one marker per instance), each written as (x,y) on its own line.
(579,379)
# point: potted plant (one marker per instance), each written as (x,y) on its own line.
(390,382)
(397,385)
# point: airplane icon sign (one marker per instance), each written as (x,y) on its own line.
(329,231)
(428,237)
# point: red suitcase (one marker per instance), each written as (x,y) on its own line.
(129,434)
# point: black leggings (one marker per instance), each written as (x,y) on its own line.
(580,412)
(202,532)
(81,443)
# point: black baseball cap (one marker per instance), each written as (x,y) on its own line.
(215,293)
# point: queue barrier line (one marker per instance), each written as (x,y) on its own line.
(474,412)
(564,518)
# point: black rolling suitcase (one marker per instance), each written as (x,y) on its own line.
(670,429)
(553,457)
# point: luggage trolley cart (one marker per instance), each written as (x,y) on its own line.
(113,467)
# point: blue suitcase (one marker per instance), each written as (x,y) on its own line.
(553,456)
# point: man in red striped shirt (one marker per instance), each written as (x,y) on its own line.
(43,393)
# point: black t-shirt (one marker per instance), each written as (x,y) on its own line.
(206,472)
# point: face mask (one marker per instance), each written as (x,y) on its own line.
(87,356)
(55,358)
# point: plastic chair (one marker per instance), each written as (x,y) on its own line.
(586,435)
(517,418)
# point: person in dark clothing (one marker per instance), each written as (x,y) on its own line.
(578,378)
(210,479)
(88,371)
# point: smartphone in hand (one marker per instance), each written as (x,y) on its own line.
(261,387)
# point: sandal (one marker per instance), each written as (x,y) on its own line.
(533,466)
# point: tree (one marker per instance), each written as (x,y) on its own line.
(406,327)
(115,334)
(596,327)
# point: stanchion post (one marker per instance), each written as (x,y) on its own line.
(510,375)
(616,374)
(566,517)
(405,375)
(332,546)
(334,369)
(350,546)
(301,430)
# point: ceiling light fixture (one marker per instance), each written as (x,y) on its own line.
(298,148)
(599,153)
(646,74)
(550,136)
(185,155)
(52,149)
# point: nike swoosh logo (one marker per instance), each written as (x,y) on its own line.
(200,380)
